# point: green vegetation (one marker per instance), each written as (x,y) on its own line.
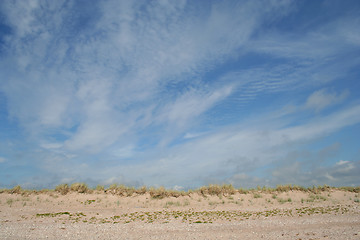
(280,200)
(257,195)
(171,203)
(192,217)
(314,197)
(10,201)
(52,214)
(89,201)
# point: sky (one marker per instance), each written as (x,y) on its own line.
(179,93)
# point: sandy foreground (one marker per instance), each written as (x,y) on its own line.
(332,214)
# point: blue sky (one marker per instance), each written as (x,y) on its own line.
(179,93)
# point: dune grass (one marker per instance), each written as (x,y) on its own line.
(161,192)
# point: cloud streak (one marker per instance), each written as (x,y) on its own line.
(322,99)
(156,92)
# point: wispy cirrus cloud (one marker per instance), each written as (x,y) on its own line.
(323,98)
(151,88)
(242,151)
(122,60)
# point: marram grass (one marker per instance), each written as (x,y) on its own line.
(161,192)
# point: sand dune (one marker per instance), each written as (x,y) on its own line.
(332,214)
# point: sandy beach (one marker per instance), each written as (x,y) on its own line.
(332,214)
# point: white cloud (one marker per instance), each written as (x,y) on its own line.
(190,135)
(192,104)
(344,29)
(334,175)
(233,154)
(91,80)
(94,136)
(237,151)
(321,42)
(322,125)
(21,15)
(178,188)
(323,98)
(149,73)
(344,167)
(51,145)
(342,162)
(124,152)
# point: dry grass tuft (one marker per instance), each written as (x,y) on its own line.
(121,190)
(219,190)
(100,188)
(313,189)
(142,190)
(79,187)
(62,189)
(17,189)
(351,189)
(159,193)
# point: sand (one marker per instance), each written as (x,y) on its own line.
(332,214)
